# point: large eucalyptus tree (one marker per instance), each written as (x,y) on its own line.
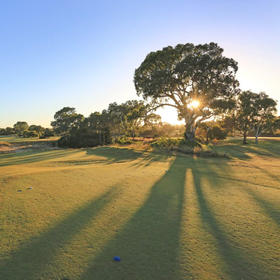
(197,80)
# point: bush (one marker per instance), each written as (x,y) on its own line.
(218,133)
(85,137)
(47,133)
(168,143)
(123,140)
(29,134)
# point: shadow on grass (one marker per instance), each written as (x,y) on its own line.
(242,181)
(149,243)
(270,210)
(267,148)
(29,261)
(115,154)
(151,157)
(118,155)
(238,264)
(33,156)
(268,173)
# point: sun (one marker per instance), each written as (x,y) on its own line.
(194,104)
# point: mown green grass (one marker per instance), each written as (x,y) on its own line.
(15,139)
(167,217)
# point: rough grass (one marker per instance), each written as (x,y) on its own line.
(15,143)
(167,217)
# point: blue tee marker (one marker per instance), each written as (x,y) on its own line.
(117,259)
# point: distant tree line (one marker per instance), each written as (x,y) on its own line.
(254,114)
(22,129)
(116,122)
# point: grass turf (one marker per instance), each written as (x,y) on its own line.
(167,217)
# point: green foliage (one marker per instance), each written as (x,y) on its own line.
(168,143)
(20,127)
(216,132)
(37,129)
(47,133)
(212,130)
(178,76)
(85,137)
(128,117)
(10,131)
(228,122)
(123,140)
(254,112)
(29,134)
(65,120)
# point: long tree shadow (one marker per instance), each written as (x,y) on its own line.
(115,154)
(151,157)
(237,263)
(212,171)
(242,181)
(31,157)
(270,210)
(264,148)
(270,174)
(29,261)
(120,155)
(149,242)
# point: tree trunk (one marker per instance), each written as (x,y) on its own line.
(99,136)
(257,133)
(245,137)
(190,133)
(207,135)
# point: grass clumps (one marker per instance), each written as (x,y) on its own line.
(123,140)
(167,143)
(180,145)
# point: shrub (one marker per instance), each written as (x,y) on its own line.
(47,133)
(29,134)
(85,137)
(218,133)
(123,140)
(168,143)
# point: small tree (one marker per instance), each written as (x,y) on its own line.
(228,122)
(47,133)
(275,124)
(10,130)
(128,117)
(29,134)
(101,124)
(213,130)
(65,120)
(265,110)
(39,130)
(20,127)
(254,112)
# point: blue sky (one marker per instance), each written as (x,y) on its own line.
(83,54)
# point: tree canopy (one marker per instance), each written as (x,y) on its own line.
(254,111)
(197,80)
(65,119)
(20,127)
